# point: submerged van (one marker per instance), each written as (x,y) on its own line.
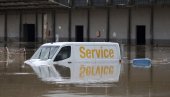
(77,62)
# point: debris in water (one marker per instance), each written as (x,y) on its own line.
(141,62)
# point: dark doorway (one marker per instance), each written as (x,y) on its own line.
(140,35)
(29,32)
(79,33)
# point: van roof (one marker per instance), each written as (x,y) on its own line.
(79,43)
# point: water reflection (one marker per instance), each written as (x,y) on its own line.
(140,51)
(16,81)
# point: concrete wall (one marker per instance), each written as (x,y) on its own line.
(39,27)
(28,18)
(62,25)
(2,27)
(162,25)
(13,25)
(118,24)
(98,20)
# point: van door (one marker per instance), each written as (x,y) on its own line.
(62,62)
(108,62)
(84,61)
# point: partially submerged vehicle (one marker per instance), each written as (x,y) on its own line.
(77,62)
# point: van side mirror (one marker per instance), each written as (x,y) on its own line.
(58,57)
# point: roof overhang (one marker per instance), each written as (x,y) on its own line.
(30,4)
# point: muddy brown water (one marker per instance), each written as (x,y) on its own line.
(19,81)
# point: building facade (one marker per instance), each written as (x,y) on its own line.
(141,22)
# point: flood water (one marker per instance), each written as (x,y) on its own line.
(17,80)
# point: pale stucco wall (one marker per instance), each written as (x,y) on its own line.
(62,25)
(118,23)
(2,19)
(98,23)
(13,27)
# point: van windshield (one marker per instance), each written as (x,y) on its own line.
(45,52)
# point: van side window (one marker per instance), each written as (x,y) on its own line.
(64,53)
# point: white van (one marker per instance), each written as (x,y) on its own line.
(85,62)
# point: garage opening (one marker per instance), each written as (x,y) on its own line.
(29,32)
(79,33)
(140,35)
